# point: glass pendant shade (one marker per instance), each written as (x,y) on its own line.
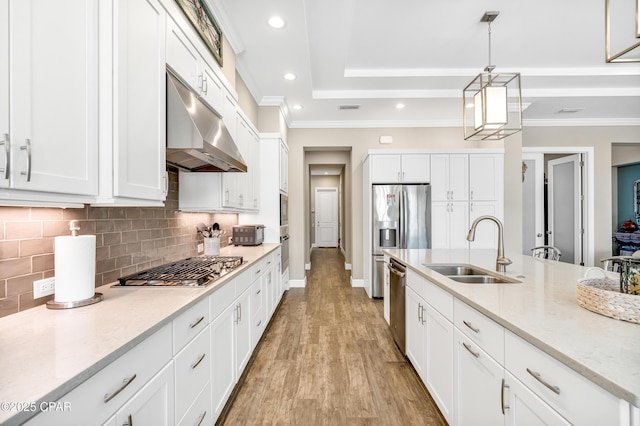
(492,106)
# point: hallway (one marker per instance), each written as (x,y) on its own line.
(328,358)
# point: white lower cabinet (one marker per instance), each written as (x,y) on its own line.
(416,336)
(102,395)
(223,376)
(193,370)
(478,373)
(439,351)
(429,339)
(523,407)
(477,384)
(153,404)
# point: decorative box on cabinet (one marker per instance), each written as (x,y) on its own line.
(49,153)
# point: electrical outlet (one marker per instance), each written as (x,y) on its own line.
(42,288)
(230,240)
(200,248)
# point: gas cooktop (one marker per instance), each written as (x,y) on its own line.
(192,272)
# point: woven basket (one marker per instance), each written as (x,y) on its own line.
(602,296)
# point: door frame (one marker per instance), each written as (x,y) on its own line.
(538,173)
(578,175)
(588,191)
(336,191)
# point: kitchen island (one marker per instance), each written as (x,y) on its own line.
(44,354)
(542,310)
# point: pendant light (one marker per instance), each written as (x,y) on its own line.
(492,104)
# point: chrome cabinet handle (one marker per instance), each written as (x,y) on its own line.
(423,311)
(202,416)
(129,421)
(27,147)
(504,407)
(475,354)
(205,84)
(471,206)
(258,292)
(198,321)
(399,179)
(403,176)
(419,312)
(468,324)
(194,365)
(471,195)
(258,324)
(236,319)
(126,382)
(538,377)
(239,312)
(7,158)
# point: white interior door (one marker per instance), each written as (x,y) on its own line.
(532,201)
(565,207)
(327,217)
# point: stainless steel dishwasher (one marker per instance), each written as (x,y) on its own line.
(397,283)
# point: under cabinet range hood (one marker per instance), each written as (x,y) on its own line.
(197,139)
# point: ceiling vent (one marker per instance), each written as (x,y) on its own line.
(570,110)
(344,107)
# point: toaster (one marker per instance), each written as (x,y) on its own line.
(248,235)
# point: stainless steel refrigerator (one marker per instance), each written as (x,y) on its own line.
(401,219)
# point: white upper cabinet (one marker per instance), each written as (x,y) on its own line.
(400,168)
(486,175)
(449,177)
(52,134)
(284,167)
(187,62)
(139,106)
(4,100)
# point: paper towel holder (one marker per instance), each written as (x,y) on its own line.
(74,227)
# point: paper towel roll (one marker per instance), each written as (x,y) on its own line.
(75,268)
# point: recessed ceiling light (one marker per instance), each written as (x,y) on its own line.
(298,107)
(276,22)
(399,106)
(289,76)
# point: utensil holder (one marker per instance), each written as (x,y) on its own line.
(211,246)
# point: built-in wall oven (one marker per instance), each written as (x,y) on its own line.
(284,230)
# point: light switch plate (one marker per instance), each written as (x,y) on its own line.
(45,287)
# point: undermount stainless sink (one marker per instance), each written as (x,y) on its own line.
(468,274)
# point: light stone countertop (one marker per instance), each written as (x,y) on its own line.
(543,311)
(45,353)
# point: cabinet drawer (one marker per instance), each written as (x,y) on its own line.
(222,298)
(441,300)
(101,395)
(258,269)
(243,282)
(193,370)
(483,331)
(577,399)
(189,324)
(416,282)
(257,296)
(200,412)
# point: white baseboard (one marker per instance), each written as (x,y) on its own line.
(298,283)
(307,266)
(356,283)
(347,266)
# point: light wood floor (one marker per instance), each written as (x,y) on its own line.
(329,359)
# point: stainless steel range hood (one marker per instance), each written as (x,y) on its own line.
(197,139)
